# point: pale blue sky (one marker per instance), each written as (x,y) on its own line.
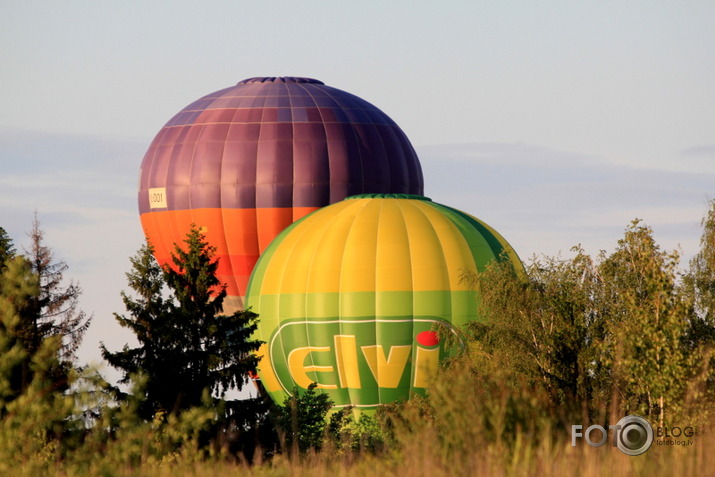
(556,122)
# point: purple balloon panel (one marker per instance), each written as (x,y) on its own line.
(276,142)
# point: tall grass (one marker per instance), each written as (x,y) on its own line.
(469,425)
(419,455)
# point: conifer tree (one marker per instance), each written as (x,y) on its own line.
(187,346)
(7,249)
(51,313)
(17,285)
(55,310)
(149,319)
(39,417)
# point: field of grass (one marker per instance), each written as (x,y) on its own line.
(420,457)
(457,438)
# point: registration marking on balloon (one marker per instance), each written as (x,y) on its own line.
(357,362)
(157,198)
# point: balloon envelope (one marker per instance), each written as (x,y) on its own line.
(244,162)
(349,296)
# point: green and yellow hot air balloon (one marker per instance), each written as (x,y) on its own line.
(349,296)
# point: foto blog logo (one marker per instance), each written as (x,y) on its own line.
(633,435)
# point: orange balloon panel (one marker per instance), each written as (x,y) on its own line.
(246,161)
(239,235)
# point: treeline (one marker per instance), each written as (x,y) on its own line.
(607,336)
(40,316)
(173,393)
(580,340)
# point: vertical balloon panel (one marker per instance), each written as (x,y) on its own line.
(245,162)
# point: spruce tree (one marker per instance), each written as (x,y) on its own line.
(17,285)
(7,249)
(187,346)
(149,319)
(38,418)
(51,313)
(55,310)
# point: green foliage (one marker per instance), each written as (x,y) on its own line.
(26,357)
(189,353)
(39,330)
(699,283)
(302,418)
(476,405)
(186,346)
(699,287)
(597,336)
(17,285)
(37,309)
(577,340)
(7,249)
(149,317)
(37,417)
(371,433)
(701,277)
(648,320)
(542,328)
(49,312)
(219,348)
(54,311)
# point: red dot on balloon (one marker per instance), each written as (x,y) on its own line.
(427,338)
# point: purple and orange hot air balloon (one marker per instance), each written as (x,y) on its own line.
(245,162)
